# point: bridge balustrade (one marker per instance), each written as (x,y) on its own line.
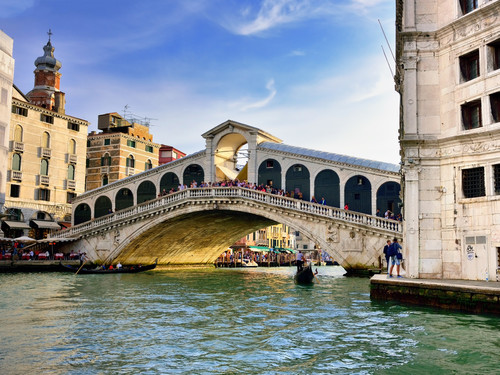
(234,192)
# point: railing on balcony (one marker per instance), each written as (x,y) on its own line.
(129,171)
(45,152)
(71,184)
(44,180)
(105,169)
(17,175)
(72,158)
(18,146)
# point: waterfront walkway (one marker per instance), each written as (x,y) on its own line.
(464,295)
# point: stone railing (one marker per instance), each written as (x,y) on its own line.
(218,194)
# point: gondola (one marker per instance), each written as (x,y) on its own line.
(305,276)
(128,269)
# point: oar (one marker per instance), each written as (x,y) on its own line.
(314,274)
(76,273)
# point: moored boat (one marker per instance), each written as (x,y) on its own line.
(127,269)
(305,276)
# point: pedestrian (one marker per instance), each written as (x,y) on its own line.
(346,207)
(386,251)
(323,201)
(393,252)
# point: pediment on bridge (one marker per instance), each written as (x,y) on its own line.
(229,126)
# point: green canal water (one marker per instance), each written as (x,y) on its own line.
(226,321)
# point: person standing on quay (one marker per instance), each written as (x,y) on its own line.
(393,251)
(386,253)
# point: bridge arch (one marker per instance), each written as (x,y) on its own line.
(358,194)
(146,191)
(270,173)
(102,206)
(298,179)
(82,214)
(227,146)
(193,172)
(388,197)
(327,185)
(168,181)
(124,199)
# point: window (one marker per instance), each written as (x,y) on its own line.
(130,143)
(72,147)
(45,140)
(471,115)
(107,142)
(297,168)
(3,97)
(473,182)
(148,165)
(16,162)
(106,160)
(71,172)
(44,167)
(73,126)
(19,111)
(469,66)
(44,194)
(149,148)
(468,6)
(105,180)
(495,106)
(304,247)
(87,163)
(130,161)
(15,191)
(493,55)
(70,196)
(18,133)
(496,178)
(46,118)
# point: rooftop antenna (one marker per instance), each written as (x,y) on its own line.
(125,110)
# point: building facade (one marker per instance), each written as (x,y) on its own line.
(46,156)
(6,82)
(168,154)
(123,148)
(448,75)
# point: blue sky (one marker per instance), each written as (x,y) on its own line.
(311,72)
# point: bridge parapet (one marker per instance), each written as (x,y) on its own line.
(213,194)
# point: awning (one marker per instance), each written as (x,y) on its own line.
(285,250)
(15,224)
(44,224)
(259,249)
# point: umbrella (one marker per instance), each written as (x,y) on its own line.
(24,239)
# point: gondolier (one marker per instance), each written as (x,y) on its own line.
(300,261)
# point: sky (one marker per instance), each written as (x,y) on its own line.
(310,72)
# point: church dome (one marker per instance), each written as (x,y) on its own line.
(48,61)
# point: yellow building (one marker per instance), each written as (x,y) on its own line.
(122,149)
(46,158)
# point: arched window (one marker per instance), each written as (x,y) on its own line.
(18,133)
(149,165)
(130,161)
(105,180)
(44,167)
(71,172)
(72,147)
(45,140)
(106,160)
(16,162)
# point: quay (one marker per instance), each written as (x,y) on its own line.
(462,295)
(12,266)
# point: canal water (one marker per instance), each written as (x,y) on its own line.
(227,321)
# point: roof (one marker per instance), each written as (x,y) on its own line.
(338,158)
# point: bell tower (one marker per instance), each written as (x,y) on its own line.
(46,92)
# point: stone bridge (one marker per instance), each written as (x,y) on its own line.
(132,221)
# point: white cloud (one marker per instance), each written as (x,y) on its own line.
(12,8)
(264,102)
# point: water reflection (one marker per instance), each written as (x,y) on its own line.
(206,321)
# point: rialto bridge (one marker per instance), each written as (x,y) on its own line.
(131,221)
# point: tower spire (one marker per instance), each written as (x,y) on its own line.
(50,34)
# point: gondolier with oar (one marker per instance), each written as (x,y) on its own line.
(300,261)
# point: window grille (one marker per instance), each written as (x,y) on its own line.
(473,182)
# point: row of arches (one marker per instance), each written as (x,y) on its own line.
(357,191)
(45,139)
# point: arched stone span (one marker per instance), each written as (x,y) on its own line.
(270,173)
(168,181)
(124,199)
(146,192)
(193,172)
(225,156)
(297,179)
(327,185)
(102,206)
(358,194)
(388,197)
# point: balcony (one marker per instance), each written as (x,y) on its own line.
(17,175)
(45,152)
(105,169)
(70,184)
(44,180)
(72,158)
(129,171)
(17,146)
